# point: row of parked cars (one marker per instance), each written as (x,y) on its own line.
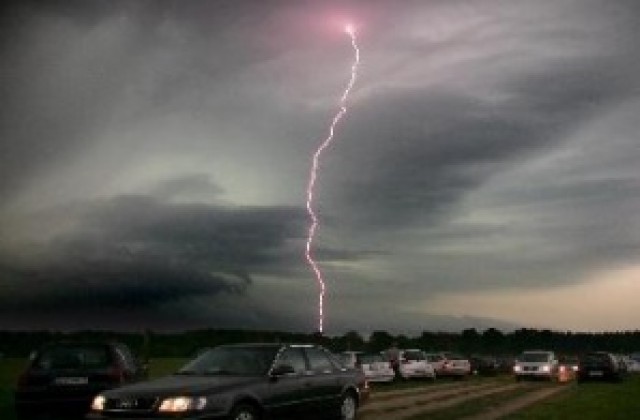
(104,380)
(597,365)
(415,363)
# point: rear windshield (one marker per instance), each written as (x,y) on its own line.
(452,356)
(597,357)
(414,355)
(371,358)
(534,357)
(73,357)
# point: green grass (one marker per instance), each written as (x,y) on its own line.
(589,401)
(9,371)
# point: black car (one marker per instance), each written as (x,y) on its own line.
(61,379)
(599,366)
(484,365)
(244,382)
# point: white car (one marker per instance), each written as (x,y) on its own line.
(633,363)
(413,364)
(536,364)
(374,366)
(449,364)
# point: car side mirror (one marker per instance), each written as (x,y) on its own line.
(281,370)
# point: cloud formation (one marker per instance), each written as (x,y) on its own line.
(154,159)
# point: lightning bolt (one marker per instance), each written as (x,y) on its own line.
(313,174)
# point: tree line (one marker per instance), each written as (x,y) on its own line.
(150,344)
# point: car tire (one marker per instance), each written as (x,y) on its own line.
(348,407)
(245,412)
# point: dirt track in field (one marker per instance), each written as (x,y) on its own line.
(404,404)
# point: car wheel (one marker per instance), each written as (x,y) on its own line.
(348,407)
(245,412)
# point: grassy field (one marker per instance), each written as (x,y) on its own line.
(590,401)
(9,371)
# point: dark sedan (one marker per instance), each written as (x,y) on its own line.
(244,382)
(62,378)
(599,366)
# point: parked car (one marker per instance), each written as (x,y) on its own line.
(484,365)
(62,378)
(374,366)
(633,363)
(413,364)
(599,365)
(244,382)
(449,364)
(539,364)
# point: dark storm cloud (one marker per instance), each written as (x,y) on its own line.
(133,252)
(116,116)
(413,153)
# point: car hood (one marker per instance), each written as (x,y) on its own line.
(181,385)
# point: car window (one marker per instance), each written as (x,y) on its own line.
(294,358)
(73,357)
(319,361)
(232,360)
(126,357)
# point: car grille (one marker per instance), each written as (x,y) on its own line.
(530,368)
(130,404)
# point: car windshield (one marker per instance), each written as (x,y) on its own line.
(73,357)
(243,361)
(534,357)
(597,357)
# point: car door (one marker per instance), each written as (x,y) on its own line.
(325,384)
(289,392)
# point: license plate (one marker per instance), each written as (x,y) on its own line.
(595,373)
(75,380)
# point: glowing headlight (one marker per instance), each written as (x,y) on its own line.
(517,368)
(98,403)
(182,404)
(545,368)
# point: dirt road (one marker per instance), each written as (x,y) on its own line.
(405,404)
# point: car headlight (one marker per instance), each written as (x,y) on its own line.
(182,404)
(98,403)
(517,368)
(545,368)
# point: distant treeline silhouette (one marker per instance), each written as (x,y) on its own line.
(150,344)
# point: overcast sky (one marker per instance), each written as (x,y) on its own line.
(154,158)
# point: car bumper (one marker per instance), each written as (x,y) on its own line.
(193,416)
(415,374)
